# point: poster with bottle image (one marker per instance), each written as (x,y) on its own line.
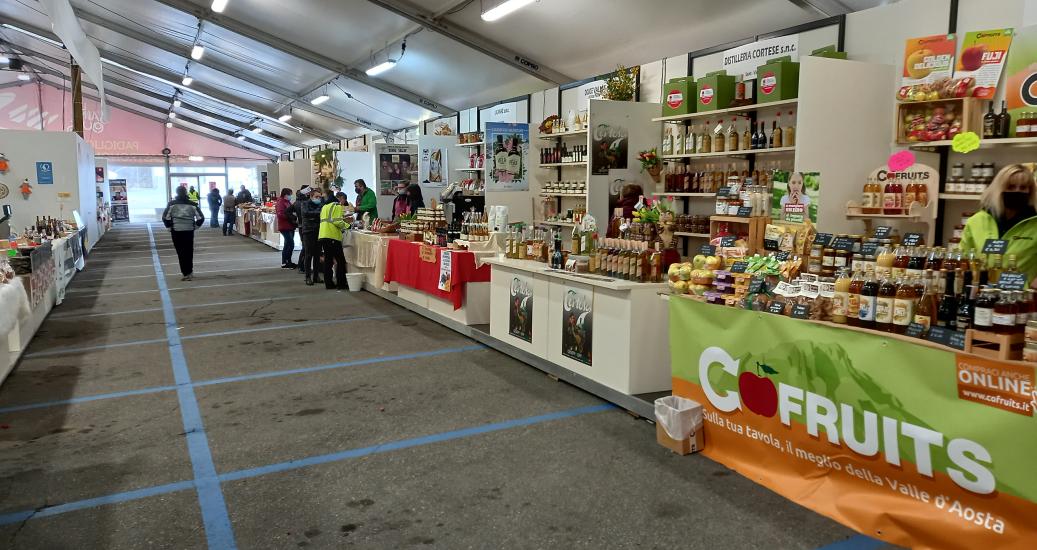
(507,161)
(520,308)
(397,165)
(795,196)
(928,59)
(609,144)
(983,54)
(577,324)
(431,166)
(1021,80)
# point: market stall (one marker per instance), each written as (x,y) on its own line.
(442,280)
(259,223)
(366,253)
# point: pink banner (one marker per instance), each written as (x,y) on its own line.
(124,134)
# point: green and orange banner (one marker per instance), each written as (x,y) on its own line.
(912,444)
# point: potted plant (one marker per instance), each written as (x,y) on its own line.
(651,163)
(621,84)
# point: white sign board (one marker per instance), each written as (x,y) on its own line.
(505,112)
(744,60)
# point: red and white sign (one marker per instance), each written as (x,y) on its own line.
(706,95)
(768,82)
(675,98)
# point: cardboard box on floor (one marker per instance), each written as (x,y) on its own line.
(688,445)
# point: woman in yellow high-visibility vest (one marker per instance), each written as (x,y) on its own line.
(332,224)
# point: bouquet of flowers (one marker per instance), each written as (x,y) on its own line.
(651,163)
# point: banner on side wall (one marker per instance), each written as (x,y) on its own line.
(919,446)
(432,163)
(507,158)
(744,60)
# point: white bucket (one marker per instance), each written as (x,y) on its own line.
(355,281)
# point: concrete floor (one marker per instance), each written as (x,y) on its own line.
(328,420)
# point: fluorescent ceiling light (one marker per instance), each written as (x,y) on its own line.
(381,67)
(504,8)
(241,138)
(197,51)
(284,118)
(320,99)
(169,125)
(32,34)
(187,81)
(172,114)
(195,158)
(24,77)
(4,59)
(219,5)
(257,130)
(177,103)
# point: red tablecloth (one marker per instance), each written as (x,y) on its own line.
(403,265)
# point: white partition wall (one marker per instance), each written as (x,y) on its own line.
(356,165)
(643,134)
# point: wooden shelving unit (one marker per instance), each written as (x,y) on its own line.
(722,112)
(732,153)
(685,195)
(564,134)
(757,227)
(983,143)
(691,235)
(959,196)
(469,169)
(560,224)
(561,164)
(475,144)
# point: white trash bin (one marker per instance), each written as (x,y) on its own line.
(680,417)
(355,281)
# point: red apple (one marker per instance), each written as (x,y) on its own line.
(972,58)
(758,394)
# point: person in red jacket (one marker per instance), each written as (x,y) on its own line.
(286,224)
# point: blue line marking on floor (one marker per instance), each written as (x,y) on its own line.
(856,542)
(218,530)
(18,517)
(241,378)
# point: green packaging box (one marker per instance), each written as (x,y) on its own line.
(777,79)
(679,96)
(829,52)
(716,90)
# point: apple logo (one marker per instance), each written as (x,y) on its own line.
(758,392)
(972,58)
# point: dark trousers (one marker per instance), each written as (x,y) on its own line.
(214,217)
(333,252)
(289,247)
(229,217)
(312,249)
(183,242)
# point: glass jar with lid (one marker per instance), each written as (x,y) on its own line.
(958,170)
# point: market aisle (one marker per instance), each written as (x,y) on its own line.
(274,415)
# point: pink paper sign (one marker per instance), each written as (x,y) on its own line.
(901,160)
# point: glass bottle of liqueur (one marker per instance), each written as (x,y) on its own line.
(868,301)
(966,308)
(733,138)
(983,310)
(705,145)
(668,137)
(776,132)
(990,122)
(754,142)
(1004,312)
(901,259)
(926,312)
(789,133)
(689,139)
(678,142)
(761,139)
(719,138)
(892,198)
(556,257)
(947,310)
(884,304)
(916,262)
(656,261)
(747,137)
(1004,121)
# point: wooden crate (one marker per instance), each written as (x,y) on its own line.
(757,228)
(970,109)
(1006,347)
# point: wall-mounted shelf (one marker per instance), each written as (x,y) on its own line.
(560,224)
(732,219)
(959,197)
(691,235)
(721,112)
(558,164)
(563,134)
(983,143)
(686,195)
(476,144)
(742,153)
(469,169)
(573,195)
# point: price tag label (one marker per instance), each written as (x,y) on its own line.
(427,254)
(728,240)
(745,212)
(718,128)
(1012,281)
(842,243)
(810,290)
(782,255)
(800,311)
(915,330)
(778,308)
(913,239)
(757,285)
(808,277)
(823,238)
(868,249)
(995,246)
(786,289)
(827,290)
(739,267)
(770,244)
(707,250)
(882,232)
(946,337)
(721,192)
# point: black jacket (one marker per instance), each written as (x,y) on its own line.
(243,197)
(310,216)
(215,200)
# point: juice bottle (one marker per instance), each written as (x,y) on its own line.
(904,306)
(884,305)
(916,262)
(901,259)
(868,300)
(853,299)
(922,194)
(909,197)
(925,311)
(841,296)
(868,198)
(884,260)
(983,311)
(1004,313)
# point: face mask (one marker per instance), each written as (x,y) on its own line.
(316,200)
(1015,200)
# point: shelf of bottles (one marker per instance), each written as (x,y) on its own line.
(723,139)
(582,132)
(475,144)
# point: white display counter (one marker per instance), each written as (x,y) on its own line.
(365,253)
(262,227)
(629,336)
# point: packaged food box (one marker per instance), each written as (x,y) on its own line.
(679,96)
(829,51)
(716,90)
(776,80)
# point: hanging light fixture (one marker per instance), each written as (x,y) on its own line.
(195,158)
(187,81)
(4,59)
(197,51)
(169,125)
(504,8)
(257,130)
(24,77)
(219,5)
(322,97)
(240,137)
(177,103)
(284,117)
(381,67)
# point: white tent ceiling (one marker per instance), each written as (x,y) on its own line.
(264,58)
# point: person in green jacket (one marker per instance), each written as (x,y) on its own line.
(1008,212)
(366,200)
(332,224)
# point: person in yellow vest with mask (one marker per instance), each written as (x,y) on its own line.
(332,224)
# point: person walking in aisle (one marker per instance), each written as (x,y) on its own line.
(332,224)
(309,227)
(243,196)
(230,214)
(182,217)
(214,207)
(366,200)
(193,195)
(301,196)
(286,226)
